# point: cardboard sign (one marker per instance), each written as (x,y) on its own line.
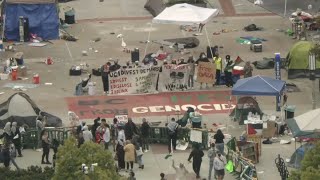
(206,72)
(123,119)
(174,77)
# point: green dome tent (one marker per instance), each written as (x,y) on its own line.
(298,60)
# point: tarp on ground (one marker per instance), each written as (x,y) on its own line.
(21,109)
(155,7)
(43,20)
(306,125)
(258,86)
(298,60)
(185,14)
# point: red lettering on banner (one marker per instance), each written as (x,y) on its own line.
(162,104)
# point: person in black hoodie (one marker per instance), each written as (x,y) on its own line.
(145,129)
(130,129)
(197,155)
(94,127)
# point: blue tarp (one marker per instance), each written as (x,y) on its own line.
(43,20)
(258,86)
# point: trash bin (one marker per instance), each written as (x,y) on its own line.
(289,112)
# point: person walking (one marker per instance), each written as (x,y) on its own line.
(16,138)
(129,154)
(105,70)
(86,134)
(120,154)
(219,163)
(196,154)
(145,132)
(211,156)
(13,155)
(247,70)
(172,133)
(192,68)
(45,147)
(219,137)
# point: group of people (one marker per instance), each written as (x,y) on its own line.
(11,144)
(129,142)
(222,67)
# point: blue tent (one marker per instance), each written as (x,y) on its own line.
(42,15)
(258,86)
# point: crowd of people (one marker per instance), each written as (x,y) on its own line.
(222,67)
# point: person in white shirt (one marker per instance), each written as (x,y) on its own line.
(106,137)
(181,171)
(86,134)
(121,135)
(219,163)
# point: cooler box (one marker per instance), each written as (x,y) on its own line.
(74,72)
(237,70)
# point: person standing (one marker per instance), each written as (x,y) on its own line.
(192,68)
(7,134)
(106,137)
(247,70)
(181,171)
(211,156)
(162,176)
(120,154)
(129,154)
(130,129)
(121,134)
(172,132)
(100,131)
(105,70)
(218,62)
(86,134)
(197,155)
(94,127)
(139,154)
(228,71)
(114,133)
(16,138)
(202,58)
(145,132)
(45,147)
(219,137)
(219,163)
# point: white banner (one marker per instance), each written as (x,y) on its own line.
(174,77)
(134,80)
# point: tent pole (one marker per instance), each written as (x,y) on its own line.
(148,40)
(205,29)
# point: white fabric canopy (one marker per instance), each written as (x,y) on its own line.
(309,121)
(185,14)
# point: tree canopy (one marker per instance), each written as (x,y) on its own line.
(70,159)
(310,166)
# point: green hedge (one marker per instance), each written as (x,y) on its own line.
(32,173)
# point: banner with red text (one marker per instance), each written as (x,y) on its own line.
(134,80)
(206,72)
(174,77)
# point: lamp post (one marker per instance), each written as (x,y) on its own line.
(312,69)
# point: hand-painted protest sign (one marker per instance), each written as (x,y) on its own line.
(174,77)
(134,80)
(122,118)
(206,72)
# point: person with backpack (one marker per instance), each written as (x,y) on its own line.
(211,156)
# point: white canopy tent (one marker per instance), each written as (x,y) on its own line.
(184,14)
